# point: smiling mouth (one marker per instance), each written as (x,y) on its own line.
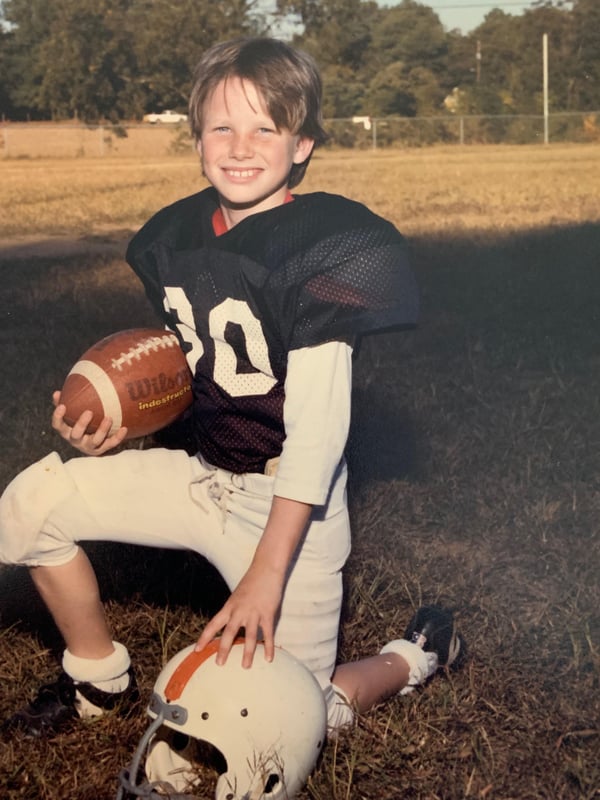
(241,173)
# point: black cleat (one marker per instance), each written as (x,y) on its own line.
(58,704)
(433,629)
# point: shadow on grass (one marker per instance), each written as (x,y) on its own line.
(157,578)
(529,301)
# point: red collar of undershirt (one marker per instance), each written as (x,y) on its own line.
(218,220)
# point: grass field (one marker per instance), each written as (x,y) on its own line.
(474,455)
(452,190)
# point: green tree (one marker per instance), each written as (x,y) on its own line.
(586,55)
(343,92)
(29,22)
(497,74)
(336,32)
(557,24)
(407,63)
(83,59)
(426,90)
(410,33)
(169,36)
(113,59)
(390,93)
(461,69)
(7,79)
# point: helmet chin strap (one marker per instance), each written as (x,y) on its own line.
(128,775)
(128,785)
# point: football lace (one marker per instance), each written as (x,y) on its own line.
(144,348)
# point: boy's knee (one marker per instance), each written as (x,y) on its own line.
(25,505)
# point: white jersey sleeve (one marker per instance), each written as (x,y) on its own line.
(316,414)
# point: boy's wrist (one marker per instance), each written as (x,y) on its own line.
(270,568)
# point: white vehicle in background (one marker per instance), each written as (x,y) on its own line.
(165,116)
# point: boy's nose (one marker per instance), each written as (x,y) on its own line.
(241,146)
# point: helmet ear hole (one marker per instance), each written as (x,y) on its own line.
(271,783)
(179,741)
(209,756)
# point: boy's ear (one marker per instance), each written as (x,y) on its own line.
(304,148)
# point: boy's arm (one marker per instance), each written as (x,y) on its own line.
(255,602)
(316,414)
(317,419)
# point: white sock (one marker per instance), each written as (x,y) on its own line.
(340,712)
(421,665)
(108,673)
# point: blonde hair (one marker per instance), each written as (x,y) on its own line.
(287,79)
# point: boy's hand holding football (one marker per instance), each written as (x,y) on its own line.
(90,444)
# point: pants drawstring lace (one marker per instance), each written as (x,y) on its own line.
(218,492)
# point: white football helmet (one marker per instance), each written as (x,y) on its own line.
(267,725)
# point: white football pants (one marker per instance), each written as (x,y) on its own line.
(165,498)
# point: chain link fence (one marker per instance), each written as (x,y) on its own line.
(464,129)
(55,140)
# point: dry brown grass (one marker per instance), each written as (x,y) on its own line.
(449,190)
(475,463)
(39,140)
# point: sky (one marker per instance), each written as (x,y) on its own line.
(468,14)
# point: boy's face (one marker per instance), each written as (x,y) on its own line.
(244,156)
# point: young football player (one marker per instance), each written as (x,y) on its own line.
(268,292)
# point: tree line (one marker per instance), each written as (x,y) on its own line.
(114,60)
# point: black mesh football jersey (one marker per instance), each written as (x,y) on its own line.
(321,268)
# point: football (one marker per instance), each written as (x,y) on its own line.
(139,378)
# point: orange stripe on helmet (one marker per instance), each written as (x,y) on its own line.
(189,665)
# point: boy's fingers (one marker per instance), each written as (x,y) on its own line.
(79,429)
(269,643)
(229,635)
(210,631)
(249,649)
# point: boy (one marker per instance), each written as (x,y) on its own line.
(268,292)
